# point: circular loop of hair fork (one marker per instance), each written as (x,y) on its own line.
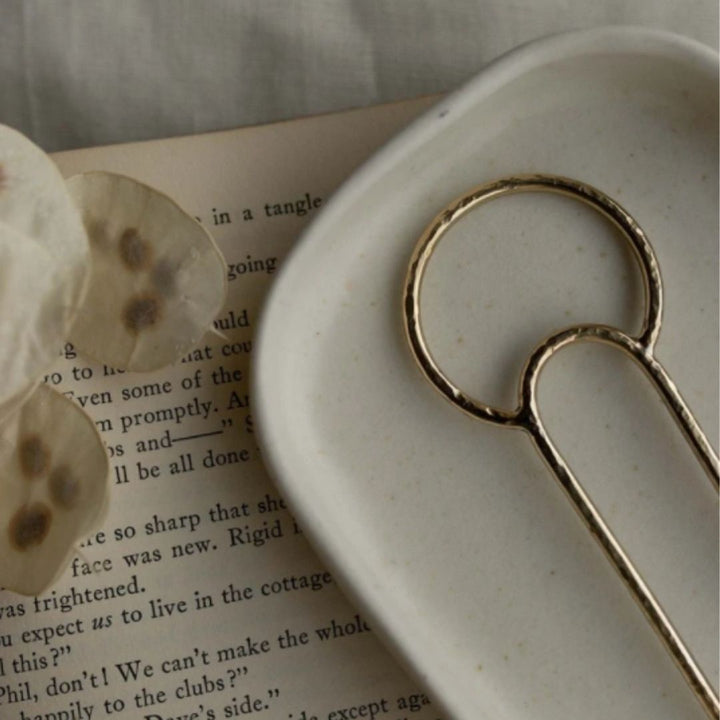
(435,231)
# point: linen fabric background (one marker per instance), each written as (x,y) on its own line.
(78,73)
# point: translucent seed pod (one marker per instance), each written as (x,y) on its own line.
(54,488)
(158,280)
(44,265)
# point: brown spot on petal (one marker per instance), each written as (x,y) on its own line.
(29,525)
(163,278)
(142,312)
(34,456)
(134,250)
(64,487)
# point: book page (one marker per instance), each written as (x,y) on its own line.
(200,598)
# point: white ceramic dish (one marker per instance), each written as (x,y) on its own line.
(449,533)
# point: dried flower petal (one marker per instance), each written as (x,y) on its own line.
(35,202)
(54,488)
(158,279)
(33,321)
(44,265)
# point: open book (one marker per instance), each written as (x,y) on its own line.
(200,599)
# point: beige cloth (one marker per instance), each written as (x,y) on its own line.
(88,72)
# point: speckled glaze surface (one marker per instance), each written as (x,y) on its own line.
(450,533)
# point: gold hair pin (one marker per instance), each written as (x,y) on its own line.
(526,416)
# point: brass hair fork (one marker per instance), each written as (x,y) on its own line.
(526,415)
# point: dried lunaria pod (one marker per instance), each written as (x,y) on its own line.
(158,280)
(44,264)
(53,485)
(31,310)
(140,294)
